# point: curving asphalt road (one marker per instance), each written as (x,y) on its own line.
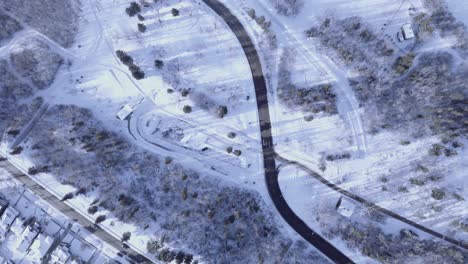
(271,174)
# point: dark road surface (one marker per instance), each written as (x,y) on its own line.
(271,174)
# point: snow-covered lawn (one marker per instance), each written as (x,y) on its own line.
(192,46)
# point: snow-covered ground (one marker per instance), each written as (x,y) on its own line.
(205,67)
(459,8)
(372,156)
(191,46)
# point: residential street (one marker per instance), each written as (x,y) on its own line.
(271,174)
(71,213)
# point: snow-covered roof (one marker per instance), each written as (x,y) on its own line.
(61,254)
(29,234)
(124,112)
(8,216)
(345,206)
(407,31)
(3,203)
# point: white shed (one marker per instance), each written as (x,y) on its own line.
(345,206)
(407,31)
(125,112)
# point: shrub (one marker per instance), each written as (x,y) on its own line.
(229,149)
(33,171)
(404,63)
(251,13)
(308,118)
(211,214)
(185,92)
(124,57)
(450,152)
(436,150)
(457,144)
(100,219)
(125,200)
(140,17)
(434,178)
(175,12)
(438,194)
(141,27)
(126,236)
(92,209)
(221,111)
(67,196)
(231,135)
(405,142)
(187,109)
(137,73)
(402,189)
(82,190)
(133,9)
(13,133)
(169,91)
(416,181)
(237,152)
(158,64)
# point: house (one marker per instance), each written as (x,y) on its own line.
(407,31)
(125,112)
(61,254)
(6,220)
(345,206)
(29,235)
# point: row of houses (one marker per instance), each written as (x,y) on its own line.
(30,240)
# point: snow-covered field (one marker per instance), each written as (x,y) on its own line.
(197,107)
(192,45)
(373,157)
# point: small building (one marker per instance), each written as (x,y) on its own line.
(407,31)
(6,220)
(125,112)
(345,206)
(29,235)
